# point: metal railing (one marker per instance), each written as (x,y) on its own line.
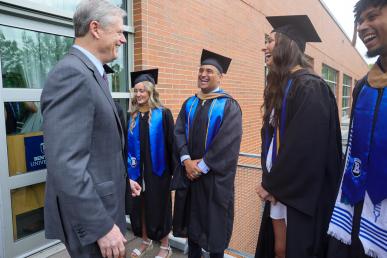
(249,155)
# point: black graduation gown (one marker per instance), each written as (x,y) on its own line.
(204,212)
(337,249)
(157,196)
(306,173)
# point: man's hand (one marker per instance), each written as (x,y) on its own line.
(192,169)
(264,195)
(112,244)
(135,188)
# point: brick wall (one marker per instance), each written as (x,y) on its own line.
(170,35)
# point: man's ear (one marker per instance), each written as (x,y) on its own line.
(94,28)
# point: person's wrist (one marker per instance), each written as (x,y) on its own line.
(185,162)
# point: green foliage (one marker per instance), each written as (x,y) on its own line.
(28,56)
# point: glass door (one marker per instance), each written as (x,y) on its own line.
(27,53)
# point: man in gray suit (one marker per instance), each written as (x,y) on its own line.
(84,142)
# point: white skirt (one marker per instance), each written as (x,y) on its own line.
(278,211)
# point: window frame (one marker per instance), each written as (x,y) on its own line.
(330,82)
(347,97)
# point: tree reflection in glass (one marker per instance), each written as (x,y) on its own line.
(28,56)
(67,5)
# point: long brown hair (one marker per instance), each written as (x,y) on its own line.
(286,55)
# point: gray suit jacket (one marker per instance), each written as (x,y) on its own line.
(84,147)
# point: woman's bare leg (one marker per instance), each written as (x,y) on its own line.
(279,228)
(165,243)
(144,237)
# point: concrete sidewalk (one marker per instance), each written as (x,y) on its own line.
(59,251)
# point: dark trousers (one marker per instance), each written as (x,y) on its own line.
(195,251)
(89,251)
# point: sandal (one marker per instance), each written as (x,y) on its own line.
(137,253)
(169,254)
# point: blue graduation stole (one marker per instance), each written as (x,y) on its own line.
(366,162)
(157,145)
(215,116)
(278,134)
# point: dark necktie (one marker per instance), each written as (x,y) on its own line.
(104,76)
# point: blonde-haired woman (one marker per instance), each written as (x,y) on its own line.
(150,163)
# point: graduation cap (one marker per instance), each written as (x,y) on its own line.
(297,27)
(150,75)
(220,62)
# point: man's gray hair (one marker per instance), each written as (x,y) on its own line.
(94,10)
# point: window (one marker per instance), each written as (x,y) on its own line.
(28,56)
(27,210)
(347,83)
(24,137)
(330,76)
(60,7)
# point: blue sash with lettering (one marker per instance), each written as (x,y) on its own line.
(157,145)
(365,172)
(366,163)
(215,116)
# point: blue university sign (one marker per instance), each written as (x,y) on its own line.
(35,158)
